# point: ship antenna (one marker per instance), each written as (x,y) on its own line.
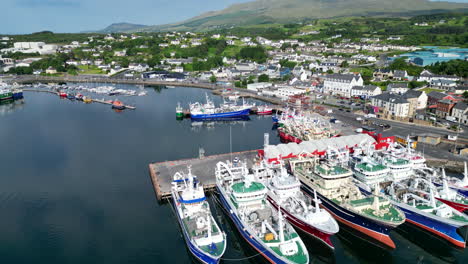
(280,223)
(317,202)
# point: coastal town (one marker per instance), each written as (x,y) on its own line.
(345,131)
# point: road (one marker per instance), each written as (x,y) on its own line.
(397,128)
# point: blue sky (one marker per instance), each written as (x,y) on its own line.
(26,16)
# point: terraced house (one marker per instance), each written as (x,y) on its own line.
(341,84)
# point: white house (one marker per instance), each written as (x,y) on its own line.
(258,86)
(366,91)
(341,84)
(286,92)
(392,104)
(397,88)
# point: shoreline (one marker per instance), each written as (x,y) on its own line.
(94,79)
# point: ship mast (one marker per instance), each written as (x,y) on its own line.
(280,223)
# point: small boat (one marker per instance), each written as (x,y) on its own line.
(6,94)
(118,105)
(87,100)
(17,93)
(264,110)
(62,94)
(71,96)
(259,223)
(170,86)
(179,111)
(205,240)
(79,97)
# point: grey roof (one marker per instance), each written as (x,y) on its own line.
(446,101)
(399,73)
(343,77)
(383,70)
(412,94)
(366,87)
(398,85)
(392,98)
(437,95)
(460,106)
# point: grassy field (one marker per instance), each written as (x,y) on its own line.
(91,69)
(428,90)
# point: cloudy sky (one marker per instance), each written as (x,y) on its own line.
(26,16)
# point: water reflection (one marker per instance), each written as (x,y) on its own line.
(363,248)
(10,106)
(433,245)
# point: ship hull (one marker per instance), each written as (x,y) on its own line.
(244,112)
(434,226)
(250,238)
(17,95)
(200,255)
(457,206)
(268,112)
(378,231)
(309,229)
(289,138)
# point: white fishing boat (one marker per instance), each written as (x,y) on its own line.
(264,228)
(205,240)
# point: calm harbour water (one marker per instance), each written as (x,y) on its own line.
(75,188)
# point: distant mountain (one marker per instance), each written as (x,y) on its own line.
(290,11)
(122,27)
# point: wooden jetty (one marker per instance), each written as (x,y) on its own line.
(204,168)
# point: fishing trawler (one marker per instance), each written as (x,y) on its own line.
(264,229)
(205,240)
(264,110)
(209,111)
(5,94)
(454,183)
(368,170)
(449,196)
(416,159)
(284,191)
(179,111)
(304,127)
(369,214)
(424,211)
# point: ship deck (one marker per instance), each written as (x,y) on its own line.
(204,168)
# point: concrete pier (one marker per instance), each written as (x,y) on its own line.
(204,168)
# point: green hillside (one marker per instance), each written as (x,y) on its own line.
(290,11)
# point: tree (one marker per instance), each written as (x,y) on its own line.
(330,71)
(344,64)
(257,54)
(287,63)
(238,84)
(465,94)
(263,78)
(213,79)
